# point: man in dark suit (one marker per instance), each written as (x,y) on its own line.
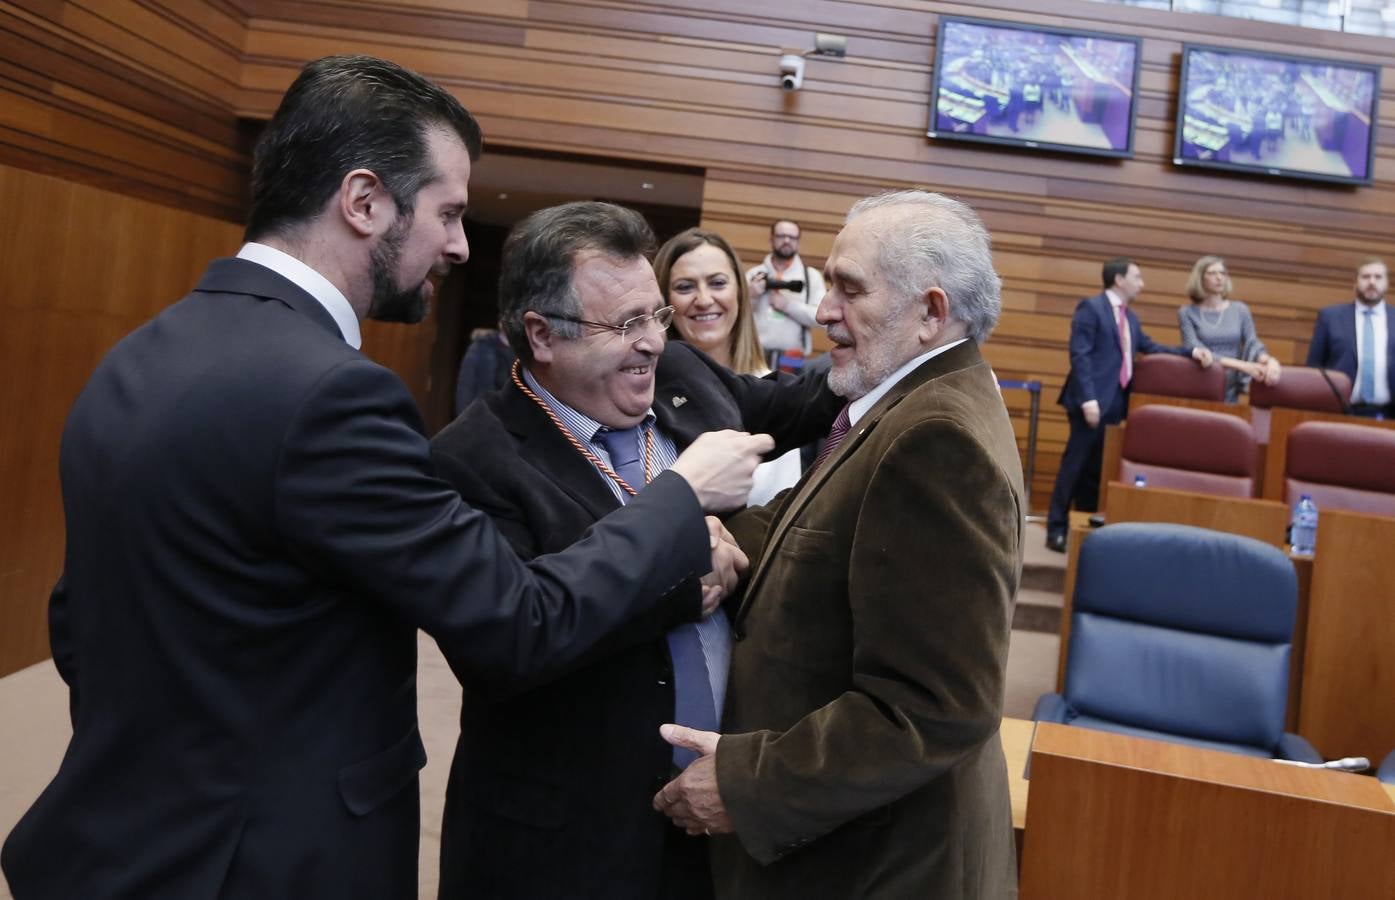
(527,814)
(1355,338)
(254,535)
(860,756)
(1096,391)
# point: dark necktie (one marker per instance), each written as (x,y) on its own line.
(692,690)
(835,437)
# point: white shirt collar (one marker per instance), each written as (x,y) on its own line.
(859,407)
(1378,310)
(1114,299)
(309,281)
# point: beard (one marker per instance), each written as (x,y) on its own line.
(391,302)
(784,251)
(875,363)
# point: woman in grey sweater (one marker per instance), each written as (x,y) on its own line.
(1225,327)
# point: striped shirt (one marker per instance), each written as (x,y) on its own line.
(714,632)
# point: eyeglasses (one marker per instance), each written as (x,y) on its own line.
(786,237)
(629,330)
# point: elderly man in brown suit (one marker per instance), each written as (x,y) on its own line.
(860,755)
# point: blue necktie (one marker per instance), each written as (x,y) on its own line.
(1368,357)
(692,691)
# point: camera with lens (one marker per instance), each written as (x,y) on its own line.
(774,284)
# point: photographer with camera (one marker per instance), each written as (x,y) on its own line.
(785,294)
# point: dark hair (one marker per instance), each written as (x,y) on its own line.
(535,273)
(1115,268)
(344,113)
(791,221)
(747,357)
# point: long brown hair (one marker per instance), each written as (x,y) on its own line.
(746,355)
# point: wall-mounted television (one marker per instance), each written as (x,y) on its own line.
(1273,114)
(1034,86)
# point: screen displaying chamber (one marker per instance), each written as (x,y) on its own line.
(1035,87)
(1276,115)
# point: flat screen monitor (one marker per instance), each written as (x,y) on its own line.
(1274,114)
(1034,86)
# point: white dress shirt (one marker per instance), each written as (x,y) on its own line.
(309,281)
(858,408)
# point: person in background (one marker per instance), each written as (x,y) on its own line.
(784,316)
(1225,327)
(484,367)
(697,272)
(1356,338)
(1105,334)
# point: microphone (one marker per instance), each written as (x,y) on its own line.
(1345,764)
(1341,401)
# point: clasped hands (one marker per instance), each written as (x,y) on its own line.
(692,800)
(728,565)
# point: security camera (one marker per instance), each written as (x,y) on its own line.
(791,71)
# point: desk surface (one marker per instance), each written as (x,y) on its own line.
(1016,735)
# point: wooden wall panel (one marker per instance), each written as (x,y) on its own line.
(694,84)
(131,95)
(73,281)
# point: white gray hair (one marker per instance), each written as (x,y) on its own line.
(941,243)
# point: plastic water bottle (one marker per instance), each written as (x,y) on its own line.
(1140,480)
(1303,536)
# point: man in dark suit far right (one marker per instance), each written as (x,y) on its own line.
(1105,335)
(255,533)
(1356,338)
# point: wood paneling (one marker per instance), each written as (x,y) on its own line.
(1348,704)
(1117,816)
(73,281)
(143,97)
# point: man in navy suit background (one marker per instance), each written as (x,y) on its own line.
(254,534)
(1095,393)
(1355,338)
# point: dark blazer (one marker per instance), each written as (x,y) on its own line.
(860,755)
(1095,356)
(253,537)
(550,791)
(1334,344)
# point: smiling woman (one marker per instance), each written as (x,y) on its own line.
(698,271)
(699,275)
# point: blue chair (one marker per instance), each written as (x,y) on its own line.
(1386,772)
(1181,634)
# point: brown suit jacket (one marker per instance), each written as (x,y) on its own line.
(860,756)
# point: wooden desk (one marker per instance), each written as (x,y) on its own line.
(1115,816)
(1348,691)
(1263,520)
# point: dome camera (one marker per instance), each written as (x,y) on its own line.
(791,71)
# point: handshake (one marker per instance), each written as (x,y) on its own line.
(719,467)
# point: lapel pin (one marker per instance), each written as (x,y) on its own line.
(679,401)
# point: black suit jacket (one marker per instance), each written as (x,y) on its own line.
(254,535)
(550,791)
(1334,344)
(1095,355)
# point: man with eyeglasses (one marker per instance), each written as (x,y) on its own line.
(785,294)
(598,405)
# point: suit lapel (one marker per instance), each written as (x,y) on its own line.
(679,408)
(960,357)
(543,447)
